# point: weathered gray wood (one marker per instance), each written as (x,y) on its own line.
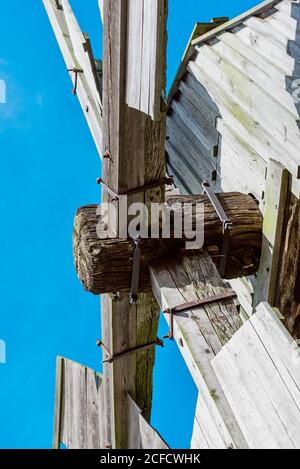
(136,145)
(78,407)
(261,8)
(145,56)
(72,42)
(141,434)
(200,335)
(287,291)
(277,184)
(58,403)
(104,263)
(258,370)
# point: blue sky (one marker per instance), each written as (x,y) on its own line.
(48,168)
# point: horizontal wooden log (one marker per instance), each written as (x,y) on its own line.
(105,265)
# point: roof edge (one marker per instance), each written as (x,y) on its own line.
(261,8)
(191,47)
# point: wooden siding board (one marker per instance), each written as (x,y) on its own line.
(261,8)
(254,369)
(176,282)
(77,407)
(70,43)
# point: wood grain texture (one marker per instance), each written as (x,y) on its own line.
(136,145)
(141,434)
(274,212)
(146,39)
(287,297)
(104,265)
(200,335)
(78,407)
(259,371)
(72,44)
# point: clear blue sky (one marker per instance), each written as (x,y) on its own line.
(48,169)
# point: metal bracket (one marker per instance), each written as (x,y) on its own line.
(76,71)
(158,342)
(169,181)
(227,224)
(136,267)
(228,295)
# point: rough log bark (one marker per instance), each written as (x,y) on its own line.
(105,265)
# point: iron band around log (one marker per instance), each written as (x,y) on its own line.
(226,225)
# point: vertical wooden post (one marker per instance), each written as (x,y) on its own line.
(136,146)
(277,184)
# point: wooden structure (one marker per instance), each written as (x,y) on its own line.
(79,413)
(226,126)
(234,105)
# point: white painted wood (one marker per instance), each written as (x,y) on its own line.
(140,434)
(259,371)
(79,406)
(70,40)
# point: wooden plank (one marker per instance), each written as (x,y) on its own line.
(58,403)
(252,132)
(198,438)
(136,144)
(274,210)
(145,52)
(71,44)
(259,104)
(257,10)
(287,295)
(200,334)
(78,407)
(101,8)
(142,435)
(256,369)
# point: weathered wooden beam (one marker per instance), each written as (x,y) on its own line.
(200,334)
(275,197)
(259,371)
(105,265)
(136,147)
(72,43)
(288,286)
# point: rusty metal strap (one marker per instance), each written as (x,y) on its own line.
(225,222)
(151,185)
(228,295)
(135,277)
(195,305)
(139,348)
